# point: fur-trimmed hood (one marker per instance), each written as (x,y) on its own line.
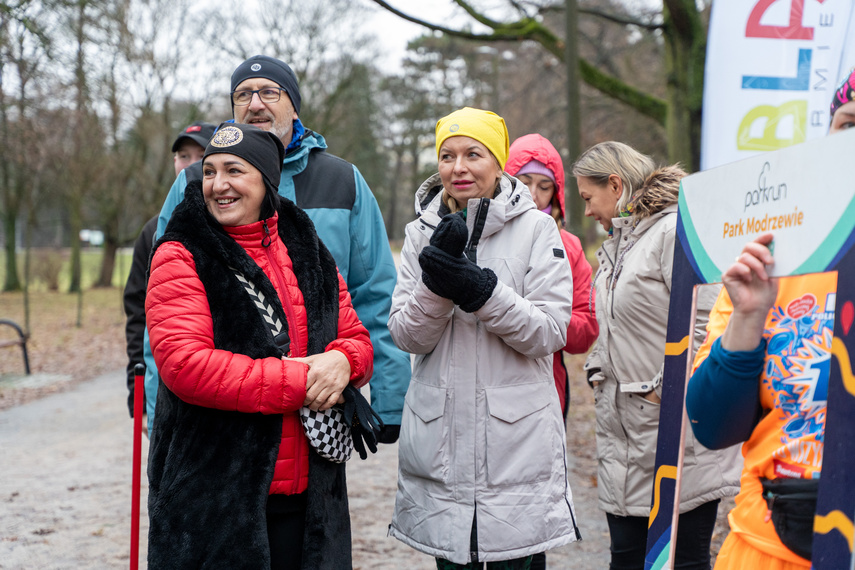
(659,190)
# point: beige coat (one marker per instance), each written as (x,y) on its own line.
(482,433)
(633,287)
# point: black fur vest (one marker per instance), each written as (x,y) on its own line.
(210,470)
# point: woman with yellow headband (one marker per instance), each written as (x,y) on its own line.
(483,300)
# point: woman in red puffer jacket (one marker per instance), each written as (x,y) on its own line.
(233,481)
(538,165)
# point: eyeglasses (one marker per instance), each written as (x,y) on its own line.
(266,94)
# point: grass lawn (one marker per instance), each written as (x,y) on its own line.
(49,260)
(57,346)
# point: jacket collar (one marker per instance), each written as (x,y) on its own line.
(297,158)
(626,233)
(513,199)
(251,235)
(630,224)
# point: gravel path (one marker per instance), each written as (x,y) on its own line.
(65,490)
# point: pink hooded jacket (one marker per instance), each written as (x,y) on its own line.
(583,329)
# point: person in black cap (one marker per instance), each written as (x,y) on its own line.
(189,146)
(265,93)
(233,482)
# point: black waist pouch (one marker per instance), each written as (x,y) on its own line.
(793,506)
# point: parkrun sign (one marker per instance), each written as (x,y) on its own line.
(802,194)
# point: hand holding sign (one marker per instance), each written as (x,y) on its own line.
(752,292)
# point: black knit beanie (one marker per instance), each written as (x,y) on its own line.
(260,148)
(269,68)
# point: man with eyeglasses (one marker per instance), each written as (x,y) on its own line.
(265,93)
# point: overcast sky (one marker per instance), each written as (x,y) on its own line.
(394,32)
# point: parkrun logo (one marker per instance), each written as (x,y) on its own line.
(765,192)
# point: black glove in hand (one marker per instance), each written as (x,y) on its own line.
(449,273)
(456,278)
(450,235)
(365,424)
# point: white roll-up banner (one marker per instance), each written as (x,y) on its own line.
(772,67)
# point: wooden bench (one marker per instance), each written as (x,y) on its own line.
(20,341)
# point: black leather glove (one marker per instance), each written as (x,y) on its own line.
(365,424)
(389,433)
(456,278)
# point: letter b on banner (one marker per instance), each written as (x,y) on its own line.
(773,117)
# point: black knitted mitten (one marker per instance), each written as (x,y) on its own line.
(456,278)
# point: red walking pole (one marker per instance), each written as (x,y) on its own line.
(139,398)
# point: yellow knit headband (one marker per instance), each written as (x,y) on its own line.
(486,127)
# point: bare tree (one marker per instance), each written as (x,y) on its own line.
(439,74)
(23,49)
(681,24)
(86,160)
(148,46)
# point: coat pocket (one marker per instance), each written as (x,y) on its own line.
(522,442)
(423,447)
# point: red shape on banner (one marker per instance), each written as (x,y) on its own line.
(794,31)
(801,306)
(847,314)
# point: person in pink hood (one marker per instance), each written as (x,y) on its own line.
(536,163)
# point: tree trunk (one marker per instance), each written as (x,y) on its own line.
(574,209)
(111,246)
(10,204)
(76,225)
(12,282)
(394,185)
(77,185)
(415,151)
(685,53)
(28,260)
(108,263)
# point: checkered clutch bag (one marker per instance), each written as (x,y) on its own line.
(327,431)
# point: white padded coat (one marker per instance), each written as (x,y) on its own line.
(633,285)
(482,433)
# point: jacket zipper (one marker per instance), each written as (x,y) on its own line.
(477,230)
(617,267)
(610,285)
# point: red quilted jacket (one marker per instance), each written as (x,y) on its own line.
(181,332)
(583,328)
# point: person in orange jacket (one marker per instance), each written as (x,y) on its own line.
(761,377)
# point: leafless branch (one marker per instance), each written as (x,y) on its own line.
(620,19)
